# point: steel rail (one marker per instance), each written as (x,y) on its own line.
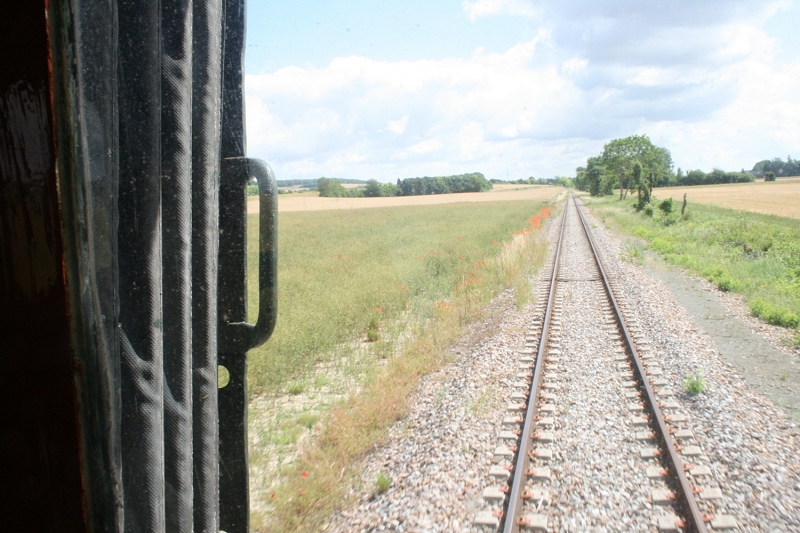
(684,498)
(515,498)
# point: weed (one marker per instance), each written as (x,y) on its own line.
(373,335)
(374,323)
(384,349)
(796,340)
(566,407)
(784,375)
(383,483)
(632,254)
(479,406)
(440,394)
(287,435)
(321,380)
(694,384)
(298,387)
(307,420)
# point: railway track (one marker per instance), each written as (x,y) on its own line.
(591,424)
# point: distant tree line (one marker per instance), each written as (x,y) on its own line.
(312,183)
(558,180)
(698,177)
(473,182)
(779,167)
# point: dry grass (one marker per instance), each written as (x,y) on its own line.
(780,197)
(312,202)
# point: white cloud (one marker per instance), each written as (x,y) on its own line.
(397,126)
(481,8)
(714,94)
(575,65)
(426,147)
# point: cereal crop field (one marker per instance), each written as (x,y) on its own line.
(780,197)
(501,193)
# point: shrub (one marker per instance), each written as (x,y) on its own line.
(694,384)
(774,315)
(648,210)
(726,283)
(666,206)
(769,176)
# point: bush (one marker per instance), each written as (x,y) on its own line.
(648,210)
(769,176)
(774,315)
(725,283)
(721,279)
(694,384)
(666,206)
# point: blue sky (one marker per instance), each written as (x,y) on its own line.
(517,88)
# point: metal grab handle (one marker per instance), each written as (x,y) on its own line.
(242,336)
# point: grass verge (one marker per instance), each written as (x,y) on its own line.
(755,255)
(427,272)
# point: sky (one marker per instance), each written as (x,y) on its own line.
(517,88)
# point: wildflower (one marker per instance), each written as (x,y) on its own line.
(377,309)
(272,495)
(303,475)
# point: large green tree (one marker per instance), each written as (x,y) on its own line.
(636,163)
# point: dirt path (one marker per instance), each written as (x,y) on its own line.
(766,367)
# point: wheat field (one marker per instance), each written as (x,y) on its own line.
(501,193)
(780,197)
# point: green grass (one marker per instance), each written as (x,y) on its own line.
(418,276)
(755,255)
(694,384)
(344,273)
(382,483)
